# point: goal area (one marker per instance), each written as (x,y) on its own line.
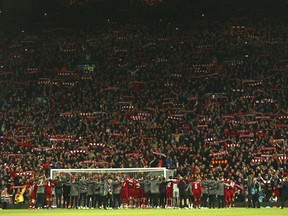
(131,172)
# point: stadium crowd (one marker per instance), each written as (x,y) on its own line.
(207,98)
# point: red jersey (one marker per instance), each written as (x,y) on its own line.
(33,191)
(233,186)
(125,184)
(227,183)
(131,183)
(131,187)
(196,187)
(137,186)
(169,185)
(48,187)
(137,193)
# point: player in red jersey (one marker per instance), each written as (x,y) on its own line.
(48,193)
(227,192)
(137,194)
(197,192)
(131,190)
(169,191)
(33,192)
(124,195)
(176,200)
(232,190)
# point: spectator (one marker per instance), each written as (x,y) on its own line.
(206,97)
(273,198)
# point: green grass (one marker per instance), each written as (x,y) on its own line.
(152,212)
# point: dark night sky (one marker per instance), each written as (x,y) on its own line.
(267,7)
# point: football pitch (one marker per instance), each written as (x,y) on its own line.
(156,212)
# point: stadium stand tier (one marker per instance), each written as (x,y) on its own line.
(197,90)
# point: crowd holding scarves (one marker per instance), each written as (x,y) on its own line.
(205,104)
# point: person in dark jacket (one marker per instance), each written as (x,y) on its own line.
(212,191)
(58,191)
(154,189)
(189,194)
(204,193)
(284,193)
(103,193)
(109,188)
(220,193)
(74,192)
(162,194)
(147,191)
(255,190)
(40,193)
(116,192)
(182,192)
(83,192)
(90,192)
(97,200)
(66,192)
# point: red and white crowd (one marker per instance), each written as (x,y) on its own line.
(201,92)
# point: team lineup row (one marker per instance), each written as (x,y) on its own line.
(115,191)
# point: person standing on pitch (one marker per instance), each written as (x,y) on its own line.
(197,192)
(204,200)
(213,188)
(97,198)
(102,193)
(255,190)
(66,192)
(162,195)
(284,194)
(48,193)
(182,192)
(116,192)
(220,193)
(40,193)
(83,193)
(90,192)
(169,192)
(58,191)
(109,201)
(147,191)
(74,192)
(154,188)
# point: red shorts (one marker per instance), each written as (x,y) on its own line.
(131,192)
(124,195)
(33,195)
(227,194)
(137,193)
(169,193)
(232,194)
(48,195)
(197,195)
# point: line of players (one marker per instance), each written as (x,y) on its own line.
(116,191)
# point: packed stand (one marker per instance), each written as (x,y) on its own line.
(208,98)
